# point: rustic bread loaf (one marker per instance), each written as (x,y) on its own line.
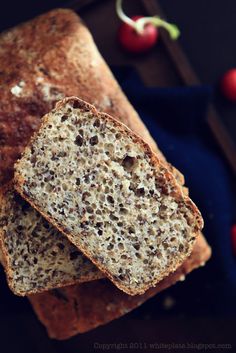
(107,191)
(76,309)
(30,83)
(37,257)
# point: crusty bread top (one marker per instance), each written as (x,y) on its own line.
(65,146)
(42,61)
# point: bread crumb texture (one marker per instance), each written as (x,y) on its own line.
(38,257)
(103,187)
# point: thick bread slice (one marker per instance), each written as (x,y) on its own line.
(36,256)
(80,308)
(103,187)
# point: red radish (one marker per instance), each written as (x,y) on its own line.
(138,34)
(135,42)
(228,85)
(233,239)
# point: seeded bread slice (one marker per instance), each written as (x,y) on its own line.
(37,257)
(79,308)
(103,187)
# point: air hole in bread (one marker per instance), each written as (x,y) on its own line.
(128,163)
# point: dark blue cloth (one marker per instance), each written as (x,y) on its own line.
(176,118)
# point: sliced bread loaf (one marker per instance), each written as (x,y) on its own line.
(103,187)
(36,256)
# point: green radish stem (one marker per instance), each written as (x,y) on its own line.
(139,25)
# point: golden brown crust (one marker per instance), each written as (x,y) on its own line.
(74,309)
(84,106)
(4,255)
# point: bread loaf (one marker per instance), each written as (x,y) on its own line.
(103,187)
(59,59)
(37,257)
(38,67)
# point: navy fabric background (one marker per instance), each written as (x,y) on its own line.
(176,119)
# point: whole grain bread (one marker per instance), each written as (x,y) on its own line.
(37,257)
(76,309)
(42,61)
(105,189)
(32,80)
(40,66)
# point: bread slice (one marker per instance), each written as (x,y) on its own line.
(102,186)
(76,309)
(37,257)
